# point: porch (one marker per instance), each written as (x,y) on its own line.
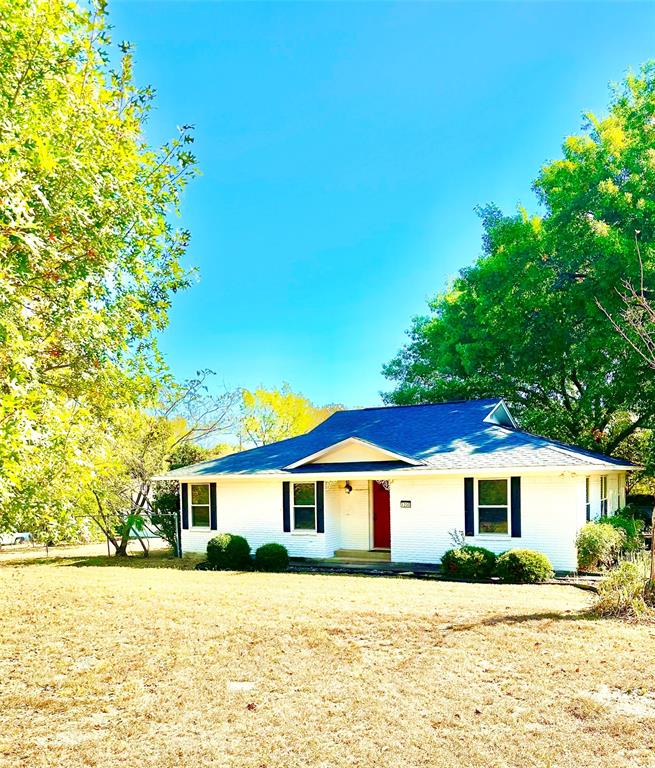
(358,521)
(365,556)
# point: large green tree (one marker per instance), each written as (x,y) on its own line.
(526,321)
(89,256)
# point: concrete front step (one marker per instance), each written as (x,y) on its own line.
(363,555)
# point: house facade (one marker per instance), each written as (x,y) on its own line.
(403,480)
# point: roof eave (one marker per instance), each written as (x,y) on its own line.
(418,471)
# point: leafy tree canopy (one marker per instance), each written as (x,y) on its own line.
(268,415)
(89,257)
(526,321)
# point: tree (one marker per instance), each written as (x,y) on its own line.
(121,497)
(89,256)
(268,415)
(524,321)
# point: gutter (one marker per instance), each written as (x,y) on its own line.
(580,469)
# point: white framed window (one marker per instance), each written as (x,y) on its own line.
(304,507)
(587,498)
(200,506)
(603,495)
(493,507)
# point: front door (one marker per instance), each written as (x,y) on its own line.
(381,517)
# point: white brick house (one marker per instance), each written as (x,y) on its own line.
(400,480)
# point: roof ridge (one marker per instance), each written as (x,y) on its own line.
(416,405)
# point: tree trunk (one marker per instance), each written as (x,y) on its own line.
(652,547)
(121,548)
(146,551)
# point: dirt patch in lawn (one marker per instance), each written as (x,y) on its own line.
(111,667)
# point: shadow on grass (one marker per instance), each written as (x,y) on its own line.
(157,559)
(586,614)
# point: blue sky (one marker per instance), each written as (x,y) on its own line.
(343,148)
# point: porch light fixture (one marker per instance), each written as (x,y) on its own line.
(349,488)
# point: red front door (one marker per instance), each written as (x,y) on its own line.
(381,517)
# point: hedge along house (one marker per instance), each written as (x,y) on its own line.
(401,480)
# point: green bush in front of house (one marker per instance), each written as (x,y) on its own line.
(272,558)
(599,545)
(523,566)
(633,528)
(468,562)
(228,552)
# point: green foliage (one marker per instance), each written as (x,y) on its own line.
(187,453)
(631,526)
(468,562)
(523,566)
(165,510)
(523,321)
(271,557)
(275,414)
(624,592)
(89,257)
(229,552)
(599,545)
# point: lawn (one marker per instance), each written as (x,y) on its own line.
(159,667)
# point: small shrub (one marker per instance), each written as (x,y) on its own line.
(228,552)
(632,527)
(523,566)
(271,558)
(599,545)
(625,592)
(468,562)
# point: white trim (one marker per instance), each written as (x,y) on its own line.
(580,469)
(587,495)
(303,531)
(501,404)
(193,527)
(358,441)
(508,505)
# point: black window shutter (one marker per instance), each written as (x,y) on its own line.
(469,518)
(286,508)
(213,519)
(516,506)
(185,505)
(320,507)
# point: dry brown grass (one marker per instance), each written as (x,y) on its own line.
(116,667)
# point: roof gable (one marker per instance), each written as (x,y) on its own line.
(350,450)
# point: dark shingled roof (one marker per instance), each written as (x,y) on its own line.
(443,436)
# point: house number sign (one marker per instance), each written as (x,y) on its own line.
(405,504)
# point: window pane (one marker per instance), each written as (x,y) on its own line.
(303,493)
(200,494)
(304,518)
(493,520)
(200,516)
(492,492)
